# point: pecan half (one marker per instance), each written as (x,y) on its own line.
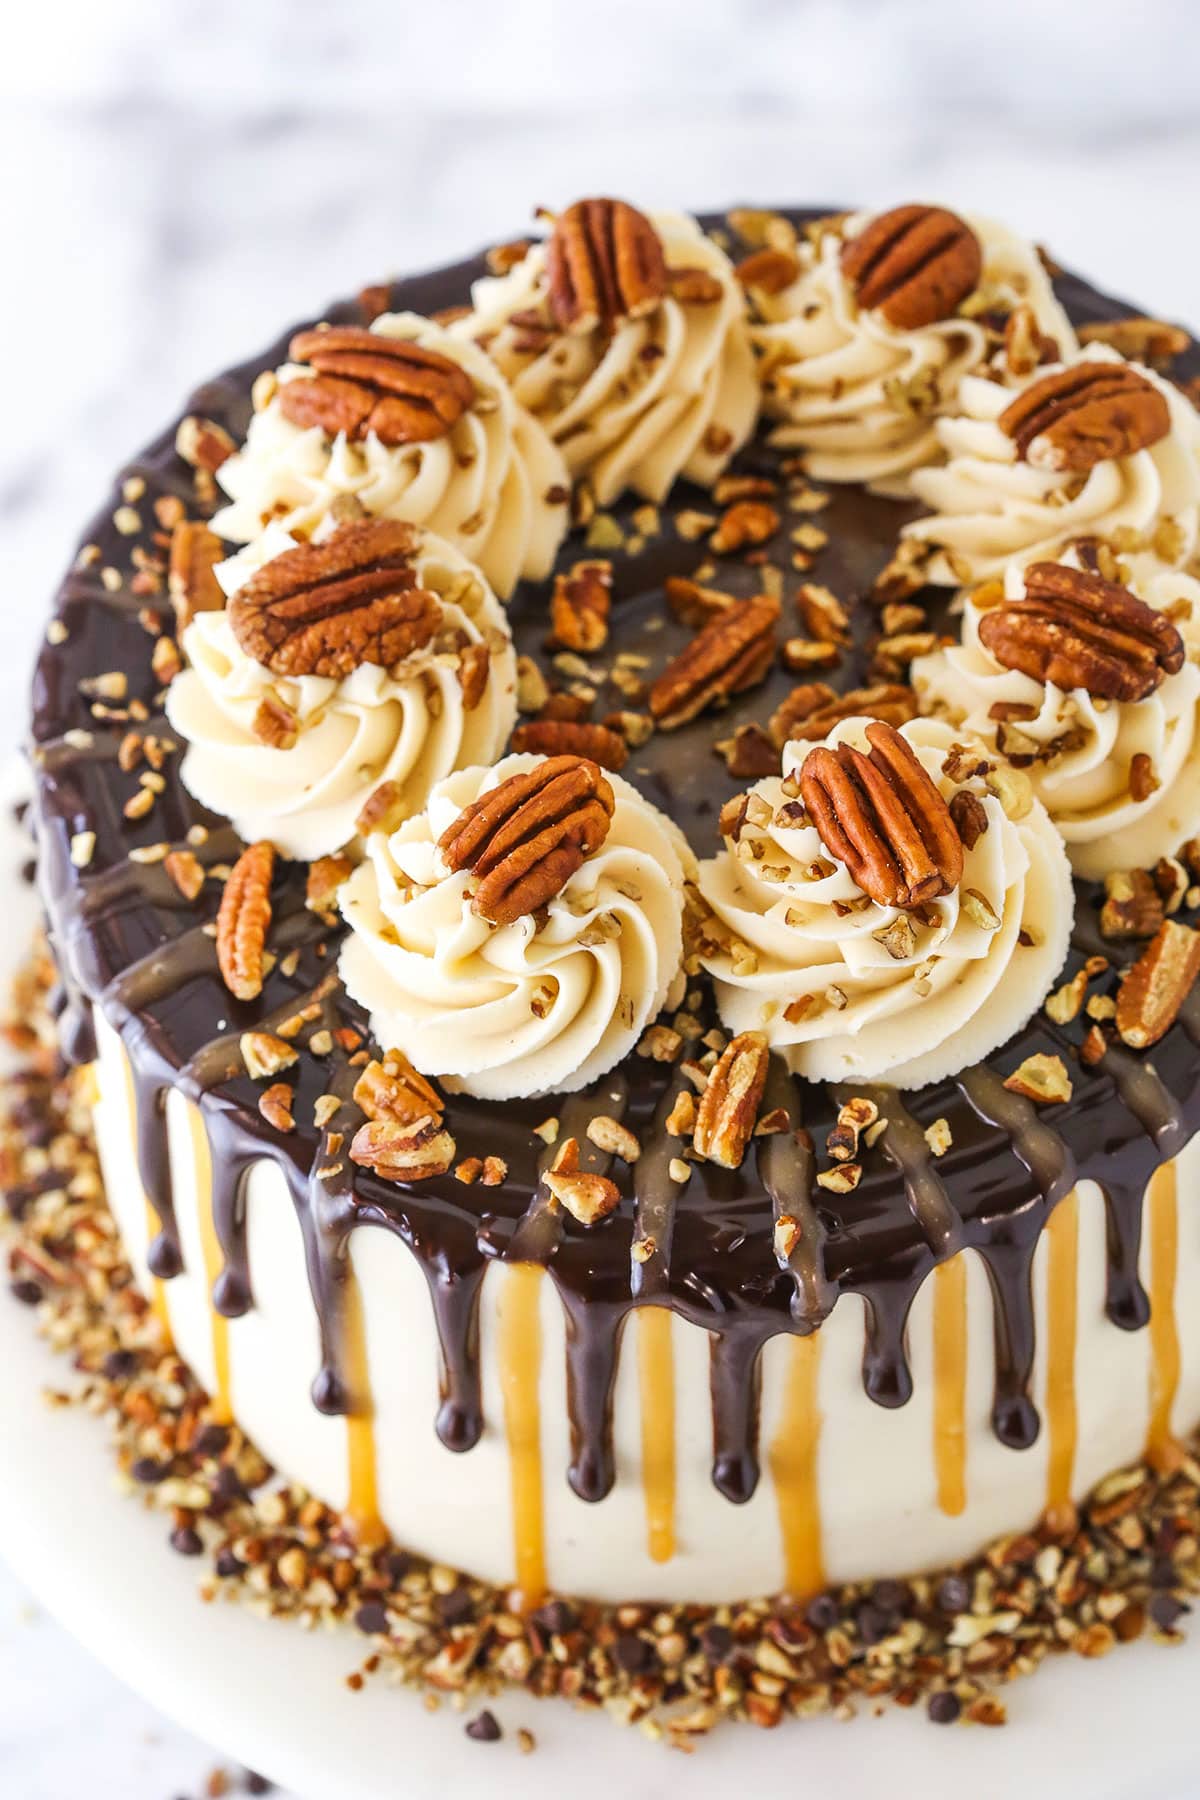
(191,578)
(366,382)
(403,1150)
(1081,416)
(728,1108)
(731,654)
(579,606)
(243,920)
(811,710)
(1080,631)
(914,264)
(567,737)
(882,816)
(1153,990)
(604,263)
(325,609)
(525,838)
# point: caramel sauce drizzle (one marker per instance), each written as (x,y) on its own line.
(950,1383)
(214,1263)
(1163,1210)
(793,1458)
(520,1359)
(362,1508)
(1062,1315)
(158,1288)
(656,1373)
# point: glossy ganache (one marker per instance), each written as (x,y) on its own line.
(127,941)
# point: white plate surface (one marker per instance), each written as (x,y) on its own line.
(275,1698)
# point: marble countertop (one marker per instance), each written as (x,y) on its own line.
(183,180)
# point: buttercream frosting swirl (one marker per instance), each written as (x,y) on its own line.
(846,988)
(409,724)
(859,396)
(493,485)
(987,508)
(545,1004)
(671,393)
(1078,751)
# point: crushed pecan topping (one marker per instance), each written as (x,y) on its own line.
(524,839)
(403,1150)
(474,672)
(1153,990)
(325,609)
(243,920)
(914,264)
(368,383)
(730,654)
(1081,416)
(768,270)
(275,723)
(728,1109)
(566,737)
(325,877)
(1042,1079)
(1141,339)
(882,816)
(1080,631)
(191,579)
(579,606)
(811,710)
(604,263)
(588,1198)
(393,1089)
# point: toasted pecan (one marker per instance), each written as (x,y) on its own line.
(403,1150)
(883,817)
(243,920)
(579,606)
(525,838)
(1082,415)
(559,737)
(368,383)
(730,654)
(325,609)
(1156,986)
(604,263)
(191,578)
(728,1108)
(393,1089)
(914,264)
(1079,631)
(812,709)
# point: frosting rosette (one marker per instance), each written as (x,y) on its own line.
(860,394)
(1120,778)
(294,758)
(991,503)
(462,458)
(845,987)
(635,401)
(544,1003)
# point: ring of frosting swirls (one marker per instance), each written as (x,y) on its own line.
(409,725)
(545,1004)
(492,484)
(672,392)
(847,988)
(859,395)
(1078,751)
(987,507)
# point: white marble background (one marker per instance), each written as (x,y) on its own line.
(181,179)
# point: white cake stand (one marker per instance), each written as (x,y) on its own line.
(275,1698)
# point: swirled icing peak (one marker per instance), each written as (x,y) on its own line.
(848,986)
(543,1001)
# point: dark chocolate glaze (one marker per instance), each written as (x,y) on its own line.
(126,941)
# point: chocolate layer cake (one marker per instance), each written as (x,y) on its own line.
(656,770)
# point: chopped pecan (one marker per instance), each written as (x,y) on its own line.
(366,383)
(275,723)
(728,1108)
(1142,340)
(730,654)
(563,737)
(811,710)
(604,263)
(186,871)
(474,672)
(588,1198)
(243,920)
(403,1150)
(325,877)
(382,810)
(1133,906)
(579,606)
(914,264)
(265,1054)
(275,1105)
(325,609)
(1080,631)
(970,817)
(745,523)
(770,271)
(393,1089)
(191,578)
(882,816)
(525,838)
(749,754)
(1153,990)
(203,444)
(1082,415)
(1041,1078)
(694,287)
(693,604)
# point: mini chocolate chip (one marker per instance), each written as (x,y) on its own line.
(211,1440)
(227,1485)
(149,1472)
(396,1564)
(186,1542)
(1163,1573)
(257,1784)
(227,1564)
(455,1607)
(555,1617)
(372,1618)
(633,1654)
(954,1593)
(873,1623)
(944,1707)
(485,1728)
(716,1641)
(120,1364)
(823,1612)
(1166,1611)
(27,1292)
(893,1596)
